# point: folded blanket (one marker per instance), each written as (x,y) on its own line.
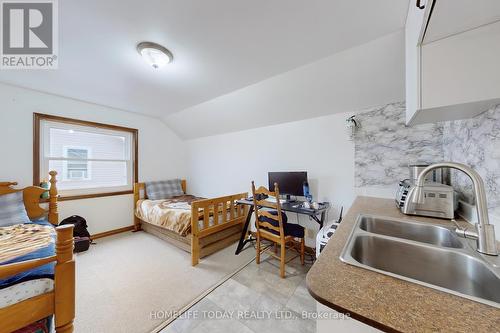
(27,241)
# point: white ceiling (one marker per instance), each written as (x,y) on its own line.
(219,46)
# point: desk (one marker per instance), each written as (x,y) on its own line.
(286,207)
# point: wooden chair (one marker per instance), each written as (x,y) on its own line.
(272,225)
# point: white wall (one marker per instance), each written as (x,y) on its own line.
(223,164)
(299,119)
(161,153)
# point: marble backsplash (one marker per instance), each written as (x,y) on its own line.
(475,142)
(384,146)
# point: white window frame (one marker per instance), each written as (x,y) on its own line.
(43,123)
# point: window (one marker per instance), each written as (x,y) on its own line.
(77,165)
(91,159)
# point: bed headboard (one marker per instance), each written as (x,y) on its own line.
(140,190)
(31,197)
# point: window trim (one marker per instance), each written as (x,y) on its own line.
(37,120)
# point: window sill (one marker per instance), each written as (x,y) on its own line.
(90,196)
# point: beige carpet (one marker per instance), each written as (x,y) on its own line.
(124,278)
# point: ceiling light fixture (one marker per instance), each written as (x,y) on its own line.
(155,54)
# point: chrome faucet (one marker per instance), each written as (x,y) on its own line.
(485,232)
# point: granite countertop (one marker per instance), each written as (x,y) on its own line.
(388,303)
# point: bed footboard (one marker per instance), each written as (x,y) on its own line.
(60,301)
(64,280)
(215,214)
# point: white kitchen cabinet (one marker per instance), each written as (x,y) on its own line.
(452,59)
(414,31)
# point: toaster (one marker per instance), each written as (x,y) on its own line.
(439,200)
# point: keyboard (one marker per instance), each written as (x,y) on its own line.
(270,199)
(273,199)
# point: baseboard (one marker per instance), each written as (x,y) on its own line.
(112,232)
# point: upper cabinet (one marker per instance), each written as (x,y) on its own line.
(452,59)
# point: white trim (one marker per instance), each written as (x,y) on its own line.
(88,159)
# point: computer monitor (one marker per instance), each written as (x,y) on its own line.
(289,183)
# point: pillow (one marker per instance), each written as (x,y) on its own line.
(12,209)
(164,189)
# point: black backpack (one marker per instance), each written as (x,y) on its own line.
(80,233)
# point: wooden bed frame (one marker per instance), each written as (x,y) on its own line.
(209,238)
(61,301)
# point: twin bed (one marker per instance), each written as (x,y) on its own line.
(196,225)
(37,269)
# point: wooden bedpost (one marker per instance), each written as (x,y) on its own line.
(195,240)
(53,213)
(64,280)
(183,186)
(137,197)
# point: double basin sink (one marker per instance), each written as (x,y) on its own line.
(426,254)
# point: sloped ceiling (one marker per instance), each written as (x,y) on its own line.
(366,76)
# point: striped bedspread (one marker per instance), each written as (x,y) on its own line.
(21,239)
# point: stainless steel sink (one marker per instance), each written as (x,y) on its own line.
(420,232)
(426,254)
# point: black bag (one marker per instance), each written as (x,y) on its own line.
(80,232)
(81,244)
